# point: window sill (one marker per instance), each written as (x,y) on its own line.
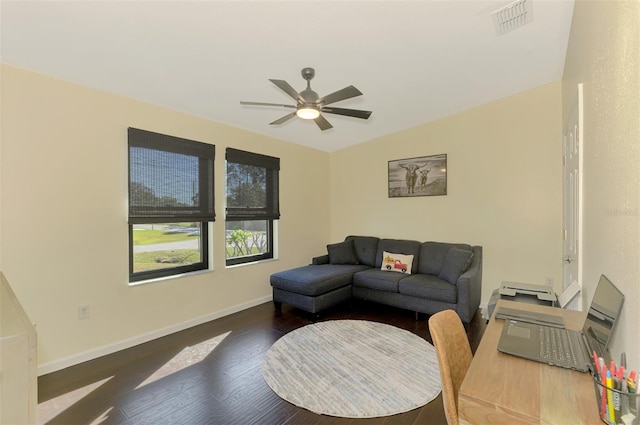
(172,277)
(266,260)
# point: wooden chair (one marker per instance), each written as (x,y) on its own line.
(454,357)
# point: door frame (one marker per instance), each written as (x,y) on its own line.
(575,120)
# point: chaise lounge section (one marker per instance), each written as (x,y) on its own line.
(425,277)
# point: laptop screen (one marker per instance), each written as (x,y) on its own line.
(602,315)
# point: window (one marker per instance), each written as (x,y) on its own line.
(252,206)
(170,204)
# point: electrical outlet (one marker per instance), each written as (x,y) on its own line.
(84,312)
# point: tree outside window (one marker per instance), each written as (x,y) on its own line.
(252,205)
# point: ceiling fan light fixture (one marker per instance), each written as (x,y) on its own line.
(309,105)
(308,113)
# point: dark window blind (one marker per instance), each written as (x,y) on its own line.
(252,186)
(170,179)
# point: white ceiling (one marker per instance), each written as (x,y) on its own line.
(415,61)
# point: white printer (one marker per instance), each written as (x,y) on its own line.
(522,292)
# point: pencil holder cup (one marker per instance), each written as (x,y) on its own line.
(615,406)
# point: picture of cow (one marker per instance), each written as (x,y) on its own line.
(422,176)
(412,175)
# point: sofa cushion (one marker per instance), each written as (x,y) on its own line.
(393,262)
(456,262)
(342,253)
(377,279)
(366,248)
(400,246)
(432,255)
(315,280)
(429,287)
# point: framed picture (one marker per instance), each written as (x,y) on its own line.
(421,176)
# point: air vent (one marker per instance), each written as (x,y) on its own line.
(512,16)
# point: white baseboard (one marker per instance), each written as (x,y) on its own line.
(75,359)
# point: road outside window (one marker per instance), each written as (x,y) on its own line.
(166,245)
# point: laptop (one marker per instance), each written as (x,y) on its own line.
(563,347)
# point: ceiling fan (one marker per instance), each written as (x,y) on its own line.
(309,105)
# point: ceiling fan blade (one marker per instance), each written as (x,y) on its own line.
(286,87)
(265,104)
(283,119)
(345,93)
(323,123)
(356,113)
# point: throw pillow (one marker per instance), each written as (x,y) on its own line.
(393,262)
(456,262)
(342,253)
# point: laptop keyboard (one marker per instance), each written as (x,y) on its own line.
(555,346)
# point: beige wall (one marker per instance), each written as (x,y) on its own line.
(64,235)
(64,192)
(504,187)
(604,55)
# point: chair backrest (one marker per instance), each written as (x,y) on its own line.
(454,357)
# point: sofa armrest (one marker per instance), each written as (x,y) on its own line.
(322,259)
(470,288)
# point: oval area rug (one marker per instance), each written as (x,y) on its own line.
(353,369)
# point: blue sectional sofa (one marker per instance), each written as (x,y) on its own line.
(425,277)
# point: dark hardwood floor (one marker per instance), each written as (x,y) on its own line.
(211,374)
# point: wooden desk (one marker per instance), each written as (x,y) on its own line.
(504,389)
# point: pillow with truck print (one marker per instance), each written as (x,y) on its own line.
(392,262)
